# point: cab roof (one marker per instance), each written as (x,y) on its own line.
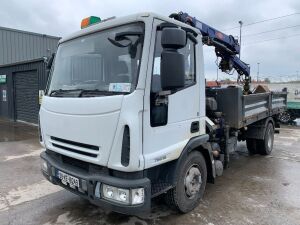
(121,21)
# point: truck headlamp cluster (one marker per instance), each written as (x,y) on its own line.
(116,194)
(121,195)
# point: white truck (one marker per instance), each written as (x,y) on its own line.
(126,115)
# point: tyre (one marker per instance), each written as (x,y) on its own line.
(252,145)
(190,186)
(285,117)
(266,145)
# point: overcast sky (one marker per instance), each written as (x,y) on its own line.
(279,59)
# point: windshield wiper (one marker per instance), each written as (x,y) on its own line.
(81,92)
(60,92)
(97,92)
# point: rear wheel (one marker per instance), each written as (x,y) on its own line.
(190,185)
(266,145)
(252,145)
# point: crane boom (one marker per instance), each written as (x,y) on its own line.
(226,46)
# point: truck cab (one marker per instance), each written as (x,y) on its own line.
(105,117)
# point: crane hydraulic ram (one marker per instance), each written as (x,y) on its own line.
(226,47)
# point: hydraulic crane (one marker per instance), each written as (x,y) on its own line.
(226,47)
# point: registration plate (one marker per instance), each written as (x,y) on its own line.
(67,179)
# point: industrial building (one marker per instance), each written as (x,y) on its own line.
(23,73)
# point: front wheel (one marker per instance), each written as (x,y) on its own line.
(190,185)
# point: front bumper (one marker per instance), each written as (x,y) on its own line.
(91,180)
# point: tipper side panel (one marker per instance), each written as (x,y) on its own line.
(229,101)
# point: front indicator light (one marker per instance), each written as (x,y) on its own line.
(137,196)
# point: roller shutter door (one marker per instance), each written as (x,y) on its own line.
(26,96)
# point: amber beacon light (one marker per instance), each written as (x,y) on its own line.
(90,21)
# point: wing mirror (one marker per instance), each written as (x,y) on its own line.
(172,64)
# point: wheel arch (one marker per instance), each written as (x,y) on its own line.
(200,144)
(257,130)
(270,120)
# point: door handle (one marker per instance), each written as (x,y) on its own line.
(195,127)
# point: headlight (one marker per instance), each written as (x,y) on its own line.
(126,196)
(44,166)
(116,194)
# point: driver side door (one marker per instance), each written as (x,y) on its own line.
(171,121)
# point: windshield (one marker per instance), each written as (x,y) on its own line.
(103,63)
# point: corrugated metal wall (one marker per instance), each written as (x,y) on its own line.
(17,46)
(10,71)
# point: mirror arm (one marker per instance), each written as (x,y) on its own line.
(164,93)
(192,38)
(118,44)
(166,24)
(50,61)
(128,33)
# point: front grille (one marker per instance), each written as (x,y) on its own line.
(75,143)
(75,147)
(75,151)
(75,162)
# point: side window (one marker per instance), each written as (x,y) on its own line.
(189,55)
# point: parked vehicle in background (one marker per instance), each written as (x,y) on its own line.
(293,100)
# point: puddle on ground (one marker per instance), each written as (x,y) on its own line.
(16,131)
